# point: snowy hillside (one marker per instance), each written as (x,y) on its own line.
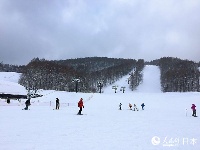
(151,80)
(163,124)
(9,83)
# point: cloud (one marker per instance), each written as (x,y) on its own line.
(146,29)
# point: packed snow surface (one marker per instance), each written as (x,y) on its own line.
(151,80)
(165,123)
(9,83)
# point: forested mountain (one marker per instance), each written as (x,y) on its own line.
(81,74)
(84,74)
(91,64)
(179,75)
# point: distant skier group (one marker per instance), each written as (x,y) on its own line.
(81,106)
(130,106)
(134,107)
(142,105)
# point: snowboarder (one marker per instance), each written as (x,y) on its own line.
(57,103)
(142,106)
(135,108)
(194,110)
(27,103)
(80,105)
(120,106)
(130,106)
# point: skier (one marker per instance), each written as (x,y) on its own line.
(120,106)
(142,106)
(135,108)
(8,100)
(130,106)
(27,103)
(194,110)
(57,103)
(80,105)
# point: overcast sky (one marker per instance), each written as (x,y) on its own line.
(63,29)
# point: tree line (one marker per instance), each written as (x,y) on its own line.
(11,68)
(70,74)
(178,75)
(136,77)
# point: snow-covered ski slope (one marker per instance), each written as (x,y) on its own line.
(151,80)
(9,83)
(163,125)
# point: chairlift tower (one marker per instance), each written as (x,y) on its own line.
(76,81)
(123,89)
(115,88)
(99,85)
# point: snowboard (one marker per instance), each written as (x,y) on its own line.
(81,114)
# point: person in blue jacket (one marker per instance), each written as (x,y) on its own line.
(142,106)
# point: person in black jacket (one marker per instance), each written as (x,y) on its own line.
(27,103)
(120,106)
(8,100)
(57,103)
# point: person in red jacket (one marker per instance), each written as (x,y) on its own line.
(81,106)
(194,110)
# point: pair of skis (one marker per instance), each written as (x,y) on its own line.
(186,113)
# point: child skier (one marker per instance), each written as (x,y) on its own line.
(120,106)
(130,106)
(142,106)
(194,110)
(135,108)
(80,105)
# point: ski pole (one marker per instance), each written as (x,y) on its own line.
(186,112)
